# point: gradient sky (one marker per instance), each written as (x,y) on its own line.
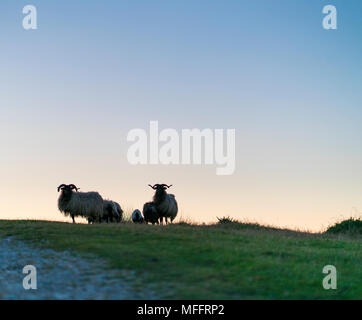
(72,89)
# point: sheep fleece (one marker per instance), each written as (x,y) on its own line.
(89,204)
(168,207)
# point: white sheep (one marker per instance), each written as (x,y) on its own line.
(137,216)
(88,205)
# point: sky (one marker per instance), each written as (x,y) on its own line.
(71,90)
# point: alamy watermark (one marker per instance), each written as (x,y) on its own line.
(30,21)
(330,20)
(330,280)
(191,146)
(30,280)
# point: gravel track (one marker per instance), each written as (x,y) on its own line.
(63,275)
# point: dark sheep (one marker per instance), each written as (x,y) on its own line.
(165,203)
(112,212)
(150,213)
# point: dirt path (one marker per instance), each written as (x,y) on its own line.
(62,275)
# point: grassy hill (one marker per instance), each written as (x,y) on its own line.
(228,260)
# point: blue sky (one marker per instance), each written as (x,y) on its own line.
(72,89)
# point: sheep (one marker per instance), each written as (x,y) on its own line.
(119,212)
(137,216)
(88,205)
(111,211)
(150,213)
(164,203)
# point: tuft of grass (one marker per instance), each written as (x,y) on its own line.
(184,222)
(233,224)
(226,220)
(352,226)
(127,215)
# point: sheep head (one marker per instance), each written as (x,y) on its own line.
(67,188)
(160,186)
(160,193)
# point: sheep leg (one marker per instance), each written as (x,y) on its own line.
(73,218)
(161,220)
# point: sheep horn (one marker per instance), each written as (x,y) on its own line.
(165,185)
(153,187)
(72,186)
(61,186)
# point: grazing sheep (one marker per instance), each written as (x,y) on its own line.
(137,216)
(112,211)
(150,213)
(119,211)
(88,205)
(164,203)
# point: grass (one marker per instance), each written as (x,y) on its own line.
(226,260)
(352,226)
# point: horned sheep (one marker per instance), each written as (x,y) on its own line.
(88,205)
(165,204)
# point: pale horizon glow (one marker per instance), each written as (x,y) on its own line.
(71,90)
